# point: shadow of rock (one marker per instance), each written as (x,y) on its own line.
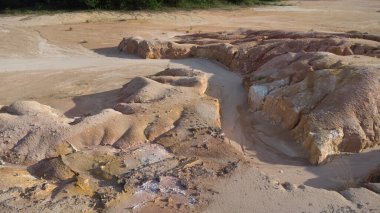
(348,170)
(93,104)
(114,53)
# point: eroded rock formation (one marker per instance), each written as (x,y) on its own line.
(329,105)
(322,87)
(245,51)
(154,149)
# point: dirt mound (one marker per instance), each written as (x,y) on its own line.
(162,140)
(323,87)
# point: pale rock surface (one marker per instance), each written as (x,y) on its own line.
(310,105)
(163,139)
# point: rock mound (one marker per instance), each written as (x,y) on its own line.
(329,105)
(162,140)
(154,49)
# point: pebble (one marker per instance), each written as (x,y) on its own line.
(360,206)
(301,187)
(288,186)
(44,186)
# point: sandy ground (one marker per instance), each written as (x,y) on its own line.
(69,61)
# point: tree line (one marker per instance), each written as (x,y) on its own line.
(119,4)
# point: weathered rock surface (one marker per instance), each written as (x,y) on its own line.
(162,140)
(246,50)
(32,131)
(329,105)
(154,49)
(323,87)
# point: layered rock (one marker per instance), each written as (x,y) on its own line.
(245,51)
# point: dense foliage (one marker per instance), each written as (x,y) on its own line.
(118,4)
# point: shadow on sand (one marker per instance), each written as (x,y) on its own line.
(93,104)
(113,52)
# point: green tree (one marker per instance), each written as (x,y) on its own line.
(92,3)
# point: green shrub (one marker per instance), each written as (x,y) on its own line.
(92,3)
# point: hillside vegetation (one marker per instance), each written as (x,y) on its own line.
(121,4)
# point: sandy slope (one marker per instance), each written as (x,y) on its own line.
(62,61)
(252,191)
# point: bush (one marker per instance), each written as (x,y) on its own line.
(92,3)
